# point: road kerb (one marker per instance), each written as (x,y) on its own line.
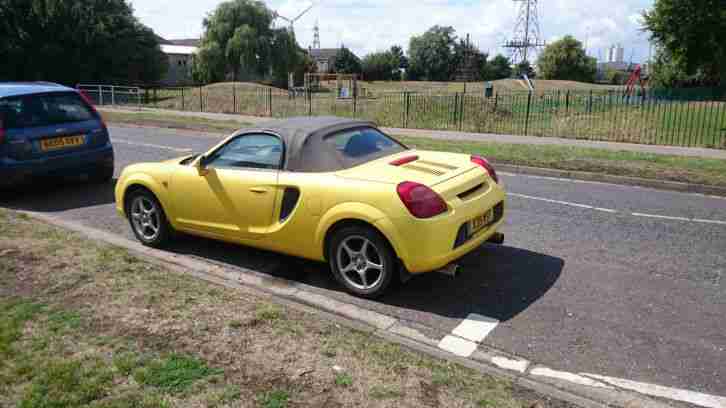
(296,295)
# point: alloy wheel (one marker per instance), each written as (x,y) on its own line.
(145,218)
(360,262)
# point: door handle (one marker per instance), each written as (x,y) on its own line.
(258,190)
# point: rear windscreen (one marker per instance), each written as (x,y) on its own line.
(43,110)
(358,146)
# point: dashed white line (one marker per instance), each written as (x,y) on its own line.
(570,377)
(458,346)
(611,211)
(709,221)
(465,337)
(154,146)
(475,327)
(567,203)
(663,217)
(693,397)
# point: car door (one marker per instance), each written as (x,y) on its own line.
(233,194)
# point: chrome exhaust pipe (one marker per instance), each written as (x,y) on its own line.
(451,270)
(496,238)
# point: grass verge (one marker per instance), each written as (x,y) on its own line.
(108,329)
(619,163)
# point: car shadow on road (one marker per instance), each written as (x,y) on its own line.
(497,281)
(57,196)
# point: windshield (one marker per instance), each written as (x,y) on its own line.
(358,146)
(43,110)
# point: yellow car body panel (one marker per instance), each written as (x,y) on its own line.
(244,205)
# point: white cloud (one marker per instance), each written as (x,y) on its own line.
(370,25)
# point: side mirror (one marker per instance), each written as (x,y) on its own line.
(201,166)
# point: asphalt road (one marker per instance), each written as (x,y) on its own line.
(588,281)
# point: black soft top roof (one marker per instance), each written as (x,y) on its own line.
(303,137)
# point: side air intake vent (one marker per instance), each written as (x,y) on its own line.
(289,201)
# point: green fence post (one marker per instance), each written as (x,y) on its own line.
(526,117)
(461,111)
(407,97)
(589,103)
(355,100)
(156,97)
(234,98)
(201,103)
(269,101)
(182,92)
(567,102)
(309,97)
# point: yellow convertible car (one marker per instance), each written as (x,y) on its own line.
(326,189)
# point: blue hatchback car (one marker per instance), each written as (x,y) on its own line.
(51,130)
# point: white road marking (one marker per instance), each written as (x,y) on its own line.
(567,203)
(663,217)
(457,345)
(519,366)
(693,397)
(155,146)
(667,217)
(571,180)
(709,221)
(611,211)
(464,338)
(565,376)
(475,327)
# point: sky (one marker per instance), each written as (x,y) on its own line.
(366,26)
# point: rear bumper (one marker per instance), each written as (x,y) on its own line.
(14,172)
(429,245)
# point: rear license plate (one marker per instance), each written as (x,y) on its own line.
(478,223)
(62,142)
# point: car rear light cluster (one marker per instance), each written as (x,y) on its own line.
(487,166)
(421,201)
(2,133)
(88,101)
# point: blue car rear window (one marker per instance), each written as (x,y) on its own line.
(43,110)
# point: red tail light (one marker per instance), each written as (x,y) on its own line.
(88,101)
(404,160)
(487,166)
(2,131)
(421,201)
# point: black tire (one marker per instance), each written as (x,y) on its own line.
(378,253)
(152,228)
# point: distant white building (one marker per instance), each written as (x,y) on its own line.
(180,63)
(616,53)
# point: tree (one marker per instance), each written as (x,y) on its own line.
(69,41)
(566,59)
(498,68)
(400,61)
(346,62)
(691,35)
(431,55)
(238,36)
(477,59)
(379,66)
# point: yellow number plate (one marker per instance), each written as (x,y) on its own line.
(478,223)
(62,142)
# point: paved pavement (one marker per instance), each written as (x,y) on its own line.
(612,280)
(487,137)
